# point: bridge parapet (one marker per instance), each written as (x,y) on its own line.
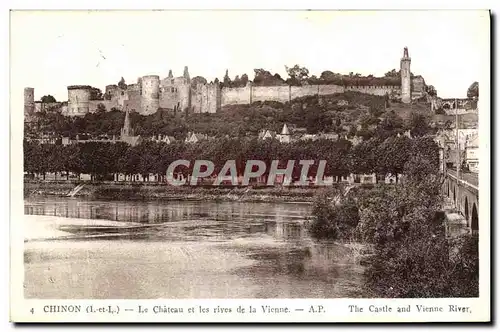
(464,192)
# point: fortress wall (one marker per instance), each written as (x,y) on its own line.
(196,98)
(43,107)
(460,111)
(206,99)
(213,99)
(109,104)
(150,101)
(169,97)
(133,103)
(231,96)
(275,93)
(372,90)
(305,90)
(184,96)
(330,89)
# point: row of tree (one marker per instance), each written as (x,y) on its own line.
(298,75)
(342,158)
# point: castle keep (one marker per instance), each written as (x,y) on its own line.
(181,94)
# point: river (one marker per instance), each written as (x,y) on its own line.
(184,249)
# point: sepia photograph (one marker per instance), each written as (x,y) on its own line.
(250,155)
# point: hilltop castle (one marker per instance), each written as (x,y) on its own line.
(151,93)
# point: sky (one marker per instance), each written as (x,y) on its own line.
(53,49)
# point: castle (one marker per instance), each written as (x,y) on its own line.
(151,93)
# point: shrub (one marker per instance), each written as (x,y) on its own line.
(334,216)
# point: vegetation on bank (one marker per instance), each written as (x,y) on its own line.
(403,224)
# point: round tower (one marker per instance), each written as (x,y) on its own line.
(78,100)
(29,101)
(405,77)
(150,94)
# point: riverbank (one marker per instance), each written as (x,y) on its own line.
(110,190)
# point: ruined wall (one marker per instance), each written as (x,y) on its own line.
(183,86)
(206,98)
(175,93)
(169,93)
(45,107)
(108,104)
(116,95)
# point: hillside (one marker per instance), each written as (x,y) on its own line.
(349,113)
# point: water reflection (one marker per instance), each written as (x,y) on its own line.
(252,250)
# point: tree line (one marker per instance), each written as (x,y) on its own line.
(298,75)
(100,159)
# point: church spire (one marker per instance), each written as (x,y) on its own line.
(127,128)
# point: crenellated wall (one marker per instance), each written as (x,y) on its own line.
(374,90)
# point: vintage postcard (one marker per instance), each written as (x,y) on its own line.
(250,166)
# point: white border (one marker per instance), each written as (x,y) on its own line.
(484,122)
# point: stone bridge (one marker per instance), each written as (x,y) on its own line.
(464,192)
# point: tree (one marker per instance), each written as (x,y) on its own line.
(329,77)
(392,155)
(419,125)
(298,75)
(198,80)
(392,73)
(244,79)
(96,94)
(227,81)
(237,82)
(122,85)
(431,90)
(473,91)
(101,107)
(48,99)
(334,215)
(265,78)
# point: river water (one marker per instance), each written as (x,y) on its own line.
(185,249)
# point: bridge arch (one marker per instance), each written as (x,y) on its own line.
(475,220)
